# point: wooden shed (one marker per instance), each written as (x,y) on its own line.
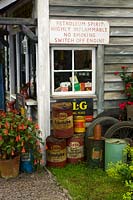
(69,70)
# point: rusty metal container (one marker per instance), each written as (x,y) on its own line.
(97,132)
(62,118)
(75,148)
(79,124)
(56,152)
(95,152)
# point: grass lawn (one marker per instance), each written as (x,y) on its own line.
(84,183)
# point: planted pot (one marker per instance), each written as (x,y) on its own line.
(10,168)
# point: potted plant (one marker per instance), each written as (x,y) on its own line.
(18,135)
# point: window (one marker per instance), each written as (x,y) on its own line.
(24,66)
(73,71)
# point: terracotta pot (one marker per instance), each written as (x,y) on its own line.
(9,168)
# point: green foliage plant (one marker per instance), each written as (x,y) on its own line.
(123,172)
(19,135)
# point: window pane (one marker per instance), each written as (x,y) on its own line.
(82,59)
(83,81)
(62,81)
(62,60)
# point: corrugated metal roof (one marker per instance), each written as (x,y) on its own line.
(4,3)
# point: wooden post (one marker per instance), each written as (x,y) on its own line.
(43,70)
(100,79)
(18,62)
(11,66)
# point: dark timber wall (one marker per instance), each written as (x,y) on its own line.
(119,52)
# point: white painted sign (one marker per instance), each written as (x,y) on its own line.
(79,32)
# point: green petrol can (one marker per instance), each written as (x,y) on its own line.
(114,151)
(95,152)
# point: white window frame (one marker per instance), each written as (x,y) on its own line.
(74,93)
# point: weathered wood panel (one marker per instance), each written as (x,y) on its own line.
(111,68)
(112,78)
(115,22)
(121,31)
(118,59)
(114,96)
(93,3)
(90,11)
(121,41)
(108,104)
(118,50)
(116,86)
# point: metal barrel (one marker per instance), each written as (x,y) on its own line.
(75,148)
(62,118)
(56,151)
(95,152)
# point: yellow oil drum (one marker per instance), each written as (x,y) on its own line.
(79,124)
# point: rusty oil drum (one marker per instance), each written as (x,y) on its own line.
(75,148)
(56,151)
(95,152)
(62,119)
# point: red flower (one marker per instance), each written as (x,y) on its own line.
(23,150)
(5,131)
(6,125)
(36,126)
(1,138)
(116,73)
(17,138)
(124,67)
(122,105)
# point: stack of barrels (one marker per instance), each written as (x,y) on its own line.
(66,144)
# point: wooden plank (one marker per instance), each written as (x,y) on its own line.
(2,92)
(17,21)
(43,72)
(115,86)
(121,41)
(119,50)
(100,78)
(91,12)
(114,96)
(112,78)
(117,67)
(118,59)
(115,22)
(92,3)
(121,31)
(29,33)
(108,104)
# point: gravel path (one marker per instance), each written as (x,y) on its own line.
(35,186)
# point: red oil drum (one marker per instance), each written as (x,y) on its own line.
(75,148)
(79,124)
(56,152)
(62,118)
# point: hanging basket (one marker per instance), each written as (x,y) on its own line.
(9,168)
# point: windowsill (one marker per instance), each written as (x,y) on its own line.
(73,96)
(31,102)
